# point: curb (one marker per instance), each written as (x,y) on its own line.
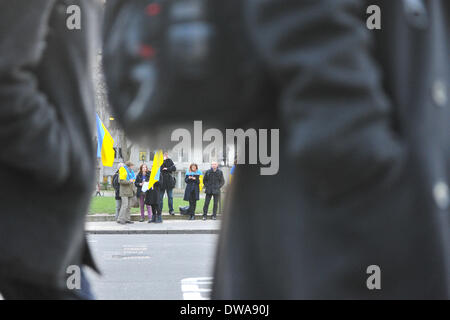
(111,232)
(102,217)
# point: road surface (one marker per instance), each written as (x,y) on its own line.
(153,266)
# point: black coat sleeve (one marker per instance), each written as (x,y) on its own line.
(206,179)
(33,138)
(337,118)
(222,180)
(138,180)
(161,180)
(171,166)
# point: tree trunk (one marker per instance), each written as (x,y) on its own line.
(125,145)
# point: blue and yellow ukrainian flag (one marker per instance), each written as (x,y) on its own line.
(158,160)
(201,185)
(105,144)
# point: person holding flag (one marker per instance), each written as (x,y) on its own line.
(105,144)
(194,184)
(152,196)
(127,178)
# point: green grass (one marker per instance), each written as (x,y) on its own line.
(108,205)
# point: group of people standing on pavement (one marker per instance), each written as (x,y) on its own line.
(128,185)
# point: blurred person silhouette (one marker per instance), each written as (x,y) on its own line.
(364,134)
(47,117)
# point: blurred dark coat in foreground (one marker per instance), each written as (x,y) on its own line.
(364,119)
(47,161)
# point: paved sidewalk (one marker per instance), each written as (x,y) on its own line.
(136,217)
(167,227)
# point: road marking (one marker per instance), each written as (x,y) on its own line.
(128,252)
(196,288)
(130,257)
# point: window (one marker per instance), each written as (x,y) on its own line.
(143,155)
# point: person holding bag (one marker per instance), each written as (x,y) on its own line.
(143,178)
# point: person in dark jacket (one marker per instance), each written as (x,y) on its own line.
(152,198)
(127,192)
(192,191)
(47,117)
(167,170)
(116,186)
(364,118)
(213,181)
(142,177)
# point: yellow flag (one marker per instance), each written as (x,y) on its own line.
(105,144)
(201,183)
(158,160)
